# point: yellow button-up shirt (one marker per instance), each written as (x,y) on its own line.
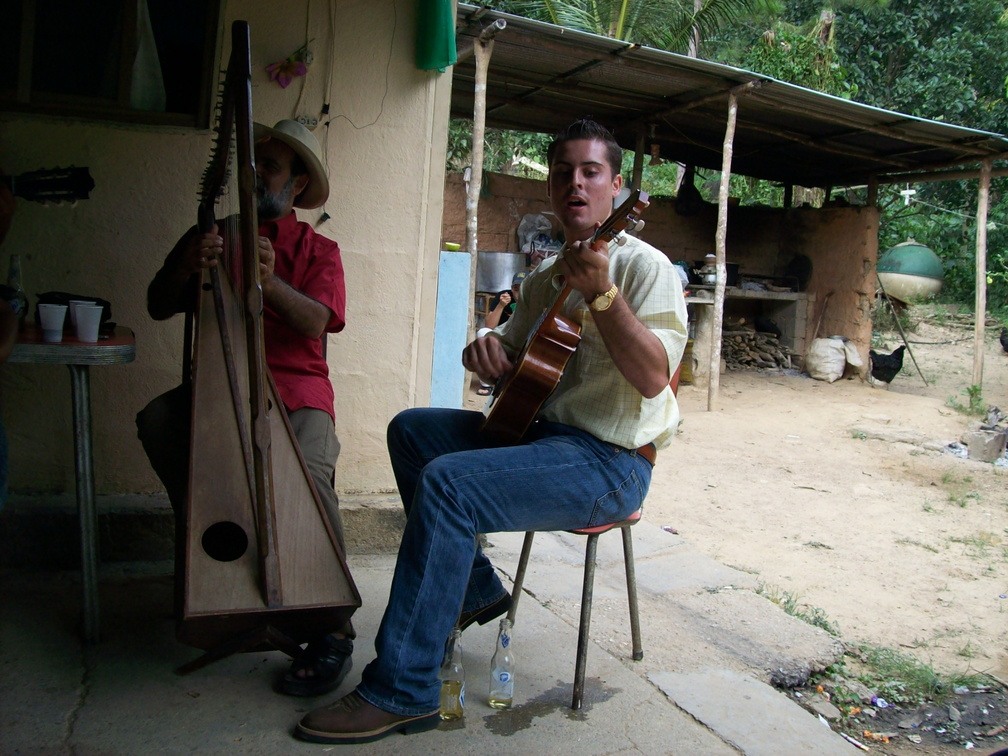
(592,394)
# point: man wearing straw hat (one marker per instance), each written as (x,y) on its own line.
(305,298)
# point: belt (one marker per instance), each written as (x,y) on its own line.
(649,452)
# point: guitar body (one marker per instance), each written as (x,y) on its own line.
(518,397)
(540,367)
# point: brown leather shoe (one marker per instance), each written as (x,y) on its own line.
(351,719)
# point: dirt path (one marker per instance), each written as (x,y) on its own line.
(840,495)
(843,497)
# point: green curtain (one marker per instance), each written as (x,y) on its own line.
(435,40)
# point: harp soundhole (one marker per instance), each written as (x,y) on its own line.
(224,541)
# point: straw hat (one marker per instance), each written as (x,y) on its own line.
(304,143)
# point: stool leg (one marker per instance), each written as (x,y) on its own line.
(519,578)
(631,588)
(585,624)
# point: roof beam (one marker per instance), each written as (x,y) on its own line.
(891,131)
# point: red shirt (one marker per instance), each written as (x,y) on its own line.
(311,264)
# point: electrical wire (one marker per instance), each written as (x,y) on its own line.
(388,68)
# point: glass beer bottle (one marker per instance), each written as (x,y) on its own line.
(502,669)
(453,679)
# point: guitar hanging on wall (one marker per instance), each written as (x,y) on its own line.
(52,185)
(518,397)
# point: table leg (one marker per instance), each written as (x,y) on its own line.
(81,390)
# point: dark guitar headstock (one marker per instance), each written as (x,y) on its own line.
(54,185)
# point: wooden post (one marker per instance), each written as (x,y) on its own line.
(719,251)
(981,272)
(482,49)
(638,160)
(872,191)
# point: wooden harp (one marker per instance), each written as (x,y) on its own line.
(261,564)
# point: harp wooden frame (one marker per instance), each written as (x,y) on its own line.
(261,563)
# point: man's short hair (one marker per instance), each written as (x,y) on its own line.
(588,129)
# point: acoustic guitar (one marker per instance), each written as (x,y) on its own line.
(518,396)
(52,185)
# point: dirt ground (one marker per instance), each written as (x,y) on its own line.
(844,497)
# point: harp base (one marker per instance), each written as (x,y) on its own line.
(267,637)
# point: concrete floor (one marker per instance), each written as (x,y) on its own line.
(711,646)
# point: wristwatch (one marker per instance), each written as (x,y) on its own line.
(603,302)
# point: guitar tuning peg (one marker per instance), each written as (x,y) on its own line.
(638,227)
(620,239)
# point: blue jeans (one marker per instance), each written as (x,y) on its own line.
(455,484)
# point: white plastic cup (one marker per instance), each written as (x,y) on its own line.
(52,317)
(88,320)
(73,309)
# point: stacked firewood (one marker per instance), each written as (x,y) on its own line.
(747,349)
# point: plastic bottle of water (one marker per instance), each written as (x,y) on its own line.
(502,668)
(453,679)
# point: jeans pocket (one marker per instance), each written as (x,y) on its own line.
(619,504)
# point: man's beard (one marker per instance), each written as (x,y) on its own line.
(272,205)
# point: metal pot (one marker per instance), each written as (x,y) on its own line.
(494,270)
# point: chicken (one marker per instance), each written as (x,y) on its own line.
(766,325)
(884,367)
(1004,339)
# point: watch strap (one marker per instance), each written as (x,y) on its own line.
(609,296)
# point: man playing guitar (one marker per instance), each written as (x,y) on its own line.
(585,460)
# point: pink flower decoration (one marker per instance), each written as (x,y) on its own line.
(284,71)
(296,64)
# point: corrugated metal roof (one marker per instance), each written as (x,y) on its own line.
(542,77)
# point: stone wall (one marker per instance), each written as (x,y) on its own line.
(841,243)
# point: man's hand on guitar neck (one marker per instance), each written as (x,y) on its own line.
(585,267)
(487,358)
(637,352)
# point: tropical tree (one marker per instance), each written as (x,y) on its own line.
(664,24)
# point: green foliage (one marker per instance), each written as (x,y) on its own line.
(791,605)
(664,24)
(501,149)
(904,680)
(930,58)
(974,404)
(805,59)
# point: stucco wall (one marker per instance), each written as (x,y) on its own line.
(385,148)
(842,243)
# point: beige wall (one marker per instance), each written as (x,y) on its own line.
(386,147)
(842,243)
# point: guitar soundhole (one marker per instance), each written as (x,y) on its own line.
(207,286)
(224,541)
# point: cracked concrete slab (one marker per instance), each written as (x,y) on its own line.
(755,718)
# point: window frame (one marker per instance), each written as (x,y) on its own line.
(24,99)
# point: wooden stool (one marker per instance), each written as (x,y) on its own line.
(586,593)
